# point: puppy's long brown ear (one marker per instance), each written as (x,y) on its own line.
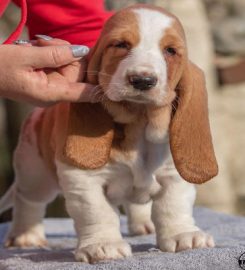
(90,128)
(89,136)
(190,137)
(94,62)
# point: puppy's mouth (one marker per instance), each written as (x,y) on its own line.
(136,98)
(150,98)
(139,99)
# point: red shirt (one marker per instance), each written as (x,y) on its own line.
(77,21)
(3,5)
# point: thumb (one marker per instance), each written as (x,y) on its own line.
(56,56)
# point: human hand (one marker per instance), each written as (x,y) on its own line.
(44,74)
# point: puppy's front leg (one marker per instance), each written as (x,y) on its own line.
(96,221)
(172,217)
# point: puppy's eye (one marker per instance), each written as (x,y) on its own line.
(170,51)
(122,45)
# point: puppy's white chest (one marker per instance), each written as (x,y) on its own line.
(137,172)
(144,160)
(149,159)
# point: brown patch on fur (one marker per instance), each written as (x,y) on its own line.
(79,142)
(89,136)
(44,130)
(50,129)
(125,146)
(190,137)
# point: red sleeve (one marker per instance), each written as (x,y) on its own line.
(77,21)
(3,5)
(22,22)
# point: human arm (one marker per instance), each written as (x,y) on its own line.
(38,75)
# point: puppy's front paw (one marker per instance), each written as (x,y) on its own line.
(25,240)
(103,251)
(141,228)
(188,240)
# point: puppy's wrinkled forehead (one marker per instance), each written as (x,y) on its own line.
(152,25)
(142,23)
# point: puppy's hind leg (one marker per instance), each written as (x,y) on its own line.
(7,200)
(26,229)
(139,218)
(34,187)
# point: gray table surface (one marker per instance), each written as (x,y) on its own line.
(228,231)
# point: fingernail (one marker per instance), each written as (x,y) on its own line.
(21,41)
(44,37)
(79,50)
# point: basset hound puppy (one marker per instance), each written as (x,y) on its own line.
(143,146)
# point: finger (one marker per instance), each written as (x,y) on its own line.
(55,88)
(72,92)
(54,56)
(74,72)
(43,40)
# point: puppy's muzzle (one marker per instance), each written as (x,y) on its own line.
(142,82)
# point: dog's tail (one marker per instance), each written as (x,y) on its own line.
(7,200)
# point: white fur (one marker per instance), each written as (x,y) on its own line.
(96,220)
(145,57)
(34,187)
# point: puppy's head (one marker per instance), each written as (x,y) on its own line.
(141,57)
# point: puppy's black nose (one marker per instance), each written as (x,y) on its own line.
(142,82)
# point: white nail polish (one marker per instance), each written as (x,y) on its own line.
(44,37)
(21,41)
(79,50)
